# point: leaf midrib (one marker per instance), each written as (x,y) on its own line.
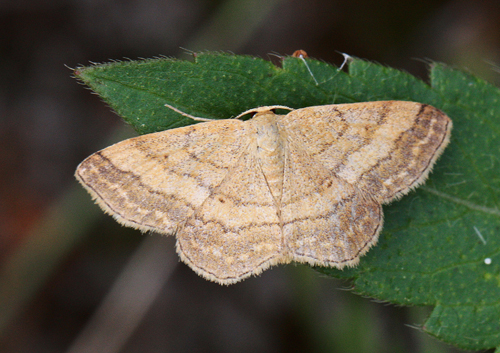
(471,205)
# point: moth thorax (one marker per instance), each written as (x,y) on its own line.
(270,151)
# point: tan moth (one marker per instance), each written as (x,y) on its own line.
(241,196)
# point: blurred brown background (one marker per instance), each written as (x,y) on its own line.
(72,280)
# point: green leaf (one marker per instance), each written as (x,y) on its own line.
(215,86)
(436,240)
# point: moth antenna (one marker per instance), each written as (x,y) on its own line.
(262,109)
(186,114)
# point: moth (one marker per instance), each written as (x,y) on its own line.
(241,196)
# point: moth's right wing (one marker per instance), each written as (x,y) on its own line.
(383,148)
(326,220)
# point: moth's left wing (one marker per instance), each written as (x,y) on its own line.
(157,181)
(236,232)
